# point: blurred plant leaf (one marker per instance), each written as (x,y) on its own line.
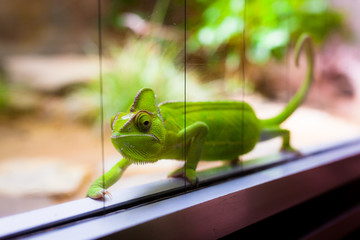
(270,25)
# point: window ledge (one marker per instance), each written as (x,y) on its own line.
(218,207)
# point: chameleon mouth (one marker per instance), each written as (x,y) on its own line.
(139,148)
(135,135)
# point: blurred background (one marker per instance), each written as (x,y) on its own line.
(50,137)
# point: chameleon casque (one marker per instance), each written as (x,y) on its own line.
(220,130)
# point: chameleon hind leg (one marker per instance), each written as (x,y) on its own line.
(272,132)
(195,138)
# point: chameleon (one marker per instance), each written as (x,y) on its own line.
(214,130)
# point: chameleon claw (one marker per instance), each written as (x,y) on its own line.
(106,192)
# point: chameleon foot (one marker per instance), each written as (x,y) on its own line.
(289,149)
(190,176)
(99,193)
(177,173)
(234,162)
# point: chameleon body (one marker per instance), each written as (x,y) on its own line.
(221,130)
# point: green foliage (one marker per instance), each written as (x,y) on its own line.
(269,25)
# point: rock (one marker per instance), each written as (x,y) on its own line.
(51,73)
(40,177)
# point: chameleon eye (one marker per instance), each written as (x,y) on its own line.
(143,121)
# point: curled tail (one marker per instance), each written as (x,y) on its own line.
(303,42)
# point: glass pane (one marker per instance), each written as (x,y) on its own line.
(50,122)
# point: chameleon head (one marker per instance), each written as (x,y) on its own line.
(138,135)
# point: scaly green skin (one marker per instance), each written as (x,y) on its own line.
(214,130)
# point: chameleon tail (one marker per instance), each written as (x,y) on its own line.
(304,41)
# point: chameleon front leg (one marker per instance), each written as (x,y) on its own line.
(272,132)
(98,188)
(195,137)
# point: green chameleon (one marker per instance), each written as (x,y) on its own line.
(221,130)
